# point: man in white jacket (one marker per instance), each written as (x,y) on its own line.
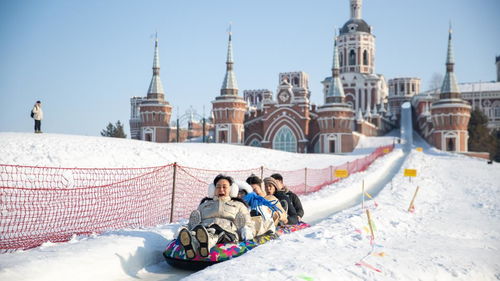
(38,116)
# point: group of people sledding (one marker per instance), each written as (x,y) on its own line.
(239,211)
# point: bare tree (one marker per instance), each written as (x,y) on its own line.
(436,81)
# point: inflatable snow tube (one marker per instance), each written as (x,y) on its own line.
(176,257)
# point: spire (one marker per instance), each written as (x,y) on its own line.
(367,112)
(229,85)
(449,89)
(382,108)
(335,92)
(388,113)
(356,9)
(374,111)
(359,115)
(155,90)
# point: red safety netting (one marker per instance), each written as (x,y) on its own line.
(40,204)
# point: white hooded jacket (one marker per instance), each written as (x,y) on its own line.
(37,112)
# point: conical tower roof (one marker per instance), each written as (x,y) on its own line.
(359,115)
(336,90)
(229,85)
(449,89)
(155,90)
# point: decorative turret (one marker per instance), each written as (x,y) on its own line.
(336,117)
(374,111)
(359,115)
(450,114)
(368,114)
(229,108)
(382,109)
(152,121)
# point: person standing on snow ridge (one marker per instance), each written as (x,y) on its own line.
(38,116)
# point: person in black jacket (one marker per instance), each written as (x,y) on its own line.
(297,205)
(271,186)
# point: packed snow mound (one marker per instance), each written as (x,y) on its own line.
(71,151)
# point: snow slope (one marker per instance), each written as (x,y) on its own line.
(452,235)
(69,151)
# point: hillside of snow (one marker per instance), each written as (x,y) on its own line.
(453,233)
(69,151)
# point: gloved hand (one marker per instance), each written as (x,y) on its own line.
(246,233)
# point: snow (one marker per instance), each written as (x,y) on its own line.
(453,234)
(55,150)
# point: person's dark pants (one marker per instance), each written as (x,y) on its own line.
(38,125)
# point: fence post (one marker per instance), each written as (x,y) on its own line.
(261,172)
(305,180)
(331,173)
(173,193)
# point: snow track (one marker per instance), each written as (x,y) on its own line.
(318,206)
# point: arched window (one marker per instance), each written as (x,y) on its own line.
(296,81)
(341,58)
(285,140)
(365,57)
(352,57)
(255,143)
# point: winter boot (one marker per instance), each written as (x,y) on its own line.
(206,239)
(188,242)
(194,219)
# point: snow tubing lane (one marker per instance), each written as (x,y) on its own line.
(176,257)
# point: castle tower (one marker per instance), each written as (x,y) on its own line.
(229,108)
(356,50)
(356,43)
(335,117)
(152,113)
(450,113)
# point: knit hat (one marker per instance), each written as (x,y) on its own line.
(271,181)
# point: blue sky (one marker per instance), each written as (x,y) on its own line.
(85,59)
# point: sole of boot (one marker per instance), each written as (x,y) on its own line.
(202,237)
(187,243)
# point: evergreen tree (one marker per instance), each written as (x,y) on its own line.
(480,138)
(496,133)
(115,131)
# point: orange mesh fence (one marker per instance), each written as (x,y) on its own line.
(40,204)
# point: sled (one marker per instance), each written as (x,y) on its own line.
(175,256)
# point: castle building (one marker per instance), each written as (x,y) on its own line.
(150,115)
(289,122)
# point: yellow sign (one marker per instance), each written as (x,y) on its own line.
(419,149)
(410,173)
(386,150)
(341,173)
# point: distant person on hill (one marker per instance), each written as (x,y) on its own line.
(297,205)
(37,114)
